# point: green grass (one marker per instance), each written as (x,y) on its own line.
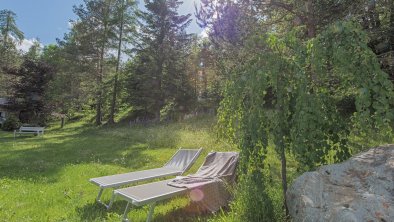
(46,178)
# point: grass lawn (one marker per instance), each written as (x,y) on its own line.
(46,178)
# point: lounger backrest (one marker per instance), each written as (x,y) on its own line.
(183,159)
(218,164)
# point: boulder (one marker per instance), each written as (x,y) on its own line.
(359,189)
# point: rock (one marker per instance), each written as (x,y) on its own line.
(359,189)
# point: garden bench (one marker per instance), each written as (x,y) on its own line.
(29,129)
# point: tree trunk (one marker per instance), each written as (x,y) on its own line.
(98,107)
(281,133)
(159,77)
(111,119)
(391,37)
(373,15)
(99,103)
(62,122)
(159,100)
(311,25)
(392,25)
(99,93)
(284,175)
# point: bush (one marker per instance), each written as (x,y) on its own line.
(169,111)
(259,194)
(252,201)
(11,123)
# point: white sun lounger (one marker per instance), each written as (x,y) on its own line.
(182,160)
(151,193)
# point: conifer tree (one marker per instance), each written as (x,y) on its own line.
(124,22)
(10,34)
(159,75)
(93,33)
(8,27)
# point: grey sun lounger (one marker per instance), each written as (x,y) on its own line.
(151,193)
(182,160)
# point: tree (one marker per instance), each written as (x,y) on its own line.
(69,91)
(59,89)
(93,33)
(307,118)
(8,52)
(286,84)
(161,50)
(30,96)
(203,77)
(124,19)
(378,20)
(34,51)
(8,27)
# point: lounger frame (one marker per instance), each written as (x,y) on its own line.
(152,201)
(126,182)
(167,192)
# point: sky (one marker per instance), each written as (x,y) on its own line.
(47,20)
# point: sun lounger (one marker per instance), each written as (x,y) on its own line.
(217,166)
(182,160)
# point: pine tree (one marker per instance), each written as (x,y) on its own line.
(161,55)
(93,33)
(29,95)
(124,20)
(8,27)
(10,34)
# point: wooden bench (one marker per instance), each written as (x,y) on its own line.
(29,129)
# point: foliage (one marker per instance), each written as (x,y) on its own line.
(8,27)
(10,34)
(378,21)
(158,75)
(93,33)
(11,123)
(356,72)
(253,207)
(308,80)
(34,51)
(125,20)
(30,91)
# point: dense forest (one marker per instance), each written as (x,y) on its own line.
(306,76)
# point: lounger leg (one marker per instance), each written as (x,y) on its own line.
(151,210)
(98,198)
(99,195)
(126,211)
(111,201)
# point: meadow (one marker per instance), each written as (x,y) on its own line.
(46,178)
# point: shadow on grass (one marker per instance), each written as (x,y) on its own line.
(93,211)
(184,214)
(42,157)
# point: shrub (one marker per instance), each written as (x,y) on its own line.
(169,111)
(252,202)
(11,123)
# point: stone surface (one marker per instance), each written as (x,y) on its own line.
(359,189)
